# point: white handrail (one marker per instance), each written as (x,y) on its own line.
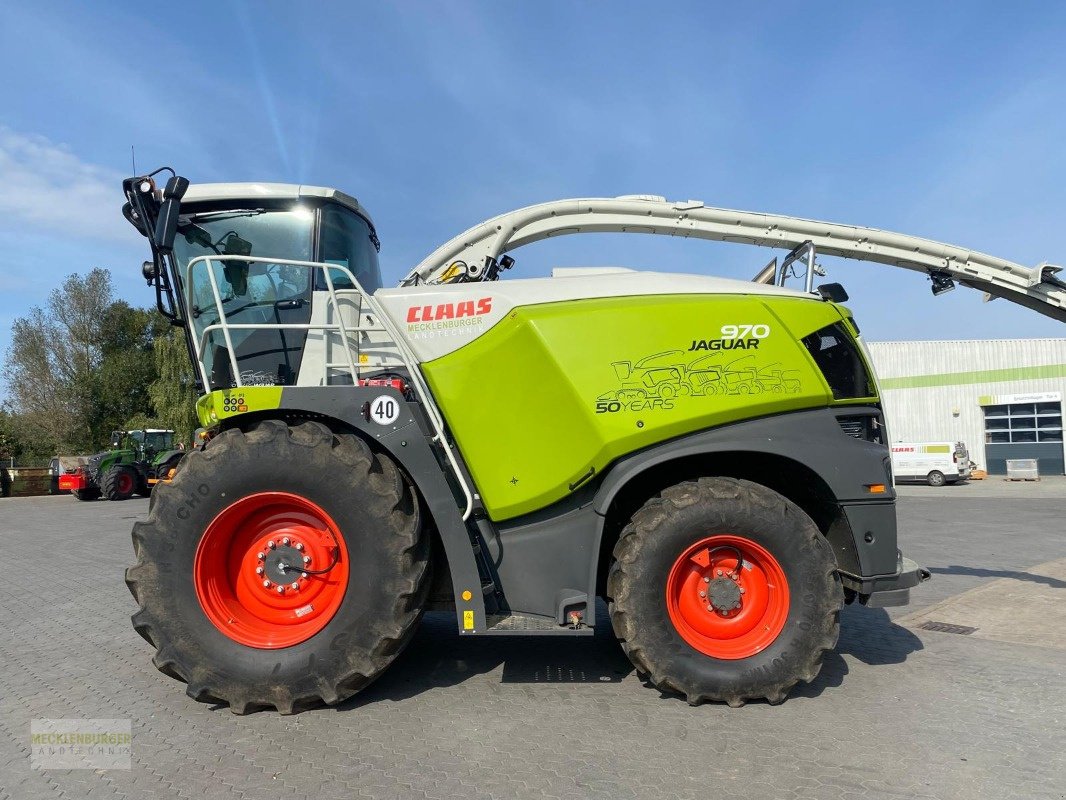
(385,325)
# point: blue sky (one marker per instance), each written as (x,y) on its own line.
(941,120)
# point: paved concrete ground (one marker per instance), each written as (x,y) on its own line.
(897,711)
(1028,611)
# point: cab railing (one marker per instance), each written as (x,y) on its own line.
(374,319)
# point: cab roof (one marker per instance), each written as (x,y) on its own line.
(213,192)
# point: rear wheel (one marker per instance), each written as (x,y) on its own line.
(282,567)
(935,478)
(722,589)
(118,483)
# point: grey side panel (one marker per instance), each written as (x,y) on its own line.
(542,560)
(873,528)
(812,438)
(408,443)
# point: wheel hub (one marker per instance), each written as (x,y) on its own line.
(724,594)
(283,565)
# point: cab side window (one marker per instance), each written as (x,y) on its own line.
(345,241)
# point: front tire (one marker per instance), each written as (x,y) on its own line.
(314,494)
(770,603)
(935,478)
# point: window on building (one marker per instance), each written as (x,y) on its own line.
(1023,422)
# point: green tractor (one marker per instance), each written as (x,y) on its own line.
(135,461)
(504,449)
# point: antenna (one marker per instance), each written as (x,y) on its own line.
(133,158)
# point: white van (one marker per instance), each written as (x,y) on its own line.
(935,463)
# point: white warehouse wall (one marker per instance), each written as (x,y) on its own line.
(931,389)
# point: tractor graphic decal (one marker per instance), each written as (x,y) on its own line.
(669,375)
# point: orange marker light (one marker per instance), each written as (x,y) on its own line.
(876,488)
(467,595)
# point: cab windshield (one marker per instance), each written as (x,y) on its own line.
(255,290)
(243,285)
(158,441)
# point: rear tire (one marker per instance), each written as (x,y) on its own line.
(687,541)
(935,478)
(119,483)
(377,605)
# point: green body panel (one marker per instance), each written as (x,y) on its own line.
(554,393)
(115,458)
(216,406)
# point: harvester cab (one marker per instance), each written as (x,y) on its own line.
(516,448)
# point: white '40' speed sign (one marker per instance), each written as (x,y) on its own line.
(384,409)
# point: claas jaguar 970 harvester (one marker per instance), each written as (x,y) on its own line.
(707,455)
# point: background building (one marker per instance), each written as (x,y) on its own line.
(1002,397)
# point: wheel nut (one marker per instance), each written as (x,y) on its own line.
(281,590)
(266,584)
(271,544)
(258,570)
(260,556)
(724,613)
(300,546)
(307,559)
(294,585)
(706,580)
(703,594)
(303,574)
(719,572)
(742,590)
(285,541)
(710,608)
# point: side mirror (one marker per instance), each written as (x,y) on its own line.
(166,225)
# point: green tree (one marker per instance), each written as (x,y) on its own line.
(173,393)
(10,442)
(127,367)
(81,367)
(53,358)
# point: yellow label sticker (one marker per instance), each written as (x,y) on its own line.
(364,358)
(468,620)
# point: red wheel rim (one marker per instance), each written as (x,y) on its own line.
(247,570)
(720,610)
(125,483)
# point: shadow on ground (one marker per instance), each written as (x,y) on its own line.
(981,572)
(438,657)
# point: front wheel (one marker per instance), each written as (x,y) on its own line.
(722,589)
(282,567)
(935,478)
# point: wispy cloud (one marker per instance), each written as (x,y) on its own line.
(45,186)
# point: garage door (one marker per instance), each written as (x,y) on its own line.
(1024,430)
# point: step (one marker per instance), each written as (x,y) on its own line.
(530,625)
